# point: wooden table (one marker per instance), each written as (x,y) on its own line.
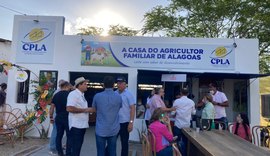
(220,143)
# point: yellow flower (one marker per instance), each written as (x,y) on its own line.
(45,93)
(7,64)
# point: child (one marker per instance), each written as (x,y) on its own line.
(241,127)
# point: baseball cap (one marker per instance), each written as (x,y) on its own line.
(121,79)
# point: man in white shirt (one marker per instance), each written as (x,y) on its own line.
(185,107)
(220,101)
(77,107)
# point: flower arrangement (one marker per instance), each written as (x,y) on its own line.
(5,66)
(43,93)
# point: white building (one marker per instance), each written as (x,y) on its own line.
(142,60)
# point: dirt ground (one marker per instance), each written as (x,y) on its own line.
(19,148)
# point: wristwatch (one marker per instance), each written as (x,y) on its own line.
(131,121)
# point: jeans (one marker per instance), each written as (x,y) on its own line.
(124,135)
(181,140)
(52,145)
(102,150)
(76,136)
(62,126)
(168,151)
(223,120)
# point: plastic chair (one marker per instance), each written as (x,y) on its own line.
(8,123)
(261,136)
(230,126)
(176,151)
(221,124)
(152,140)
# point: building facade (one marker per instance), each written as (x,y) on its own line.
(40,45)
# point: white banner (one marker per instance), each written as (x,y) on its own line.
(174,77)
(35,42)
(154,55)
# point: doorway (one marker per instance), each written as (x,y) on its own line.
(148,80)
(95,84)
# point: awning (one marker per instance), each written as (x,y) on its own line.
(154,73)
(232,75)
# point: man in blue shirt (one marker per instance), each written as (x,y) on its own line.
(126,114)
(107,105)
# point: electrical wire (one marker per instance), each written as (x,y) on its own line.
(12,10)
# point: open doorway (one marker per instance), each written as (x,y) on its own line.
(148,80)
(95,86)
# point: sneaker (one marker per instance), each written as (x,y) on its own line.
(53,153)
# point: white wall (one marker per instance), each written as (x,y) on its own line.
(254,103)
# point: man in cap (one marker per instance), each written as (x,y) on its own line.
(126,114)
(77,107)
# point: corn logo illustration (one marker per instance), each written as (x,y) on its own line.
(32,40)
(218,56)
(36,34)
(221,52)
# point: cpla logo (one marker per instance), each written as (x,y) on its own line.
(218,56)
(32,38)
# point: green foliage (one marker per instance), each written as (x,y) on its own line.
(90,30)
(120,30)
(214,19)
(117,30)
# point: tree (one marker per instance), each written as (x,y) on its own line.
(120,30)
(90,30)
(214,19)
(117,30)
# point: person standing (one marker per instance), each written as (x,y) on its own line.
(157,102)
(208,111)
(126,114)
(107,105)
(147,115)
(52,144)
(77,107)
(185,107)
(3,96)
(220,102)
(59,102)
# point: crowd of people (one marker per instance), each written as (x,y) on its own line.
(69,112)
(115,111)
(183,111)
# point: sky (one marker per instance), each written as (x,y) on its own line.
(80,13)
